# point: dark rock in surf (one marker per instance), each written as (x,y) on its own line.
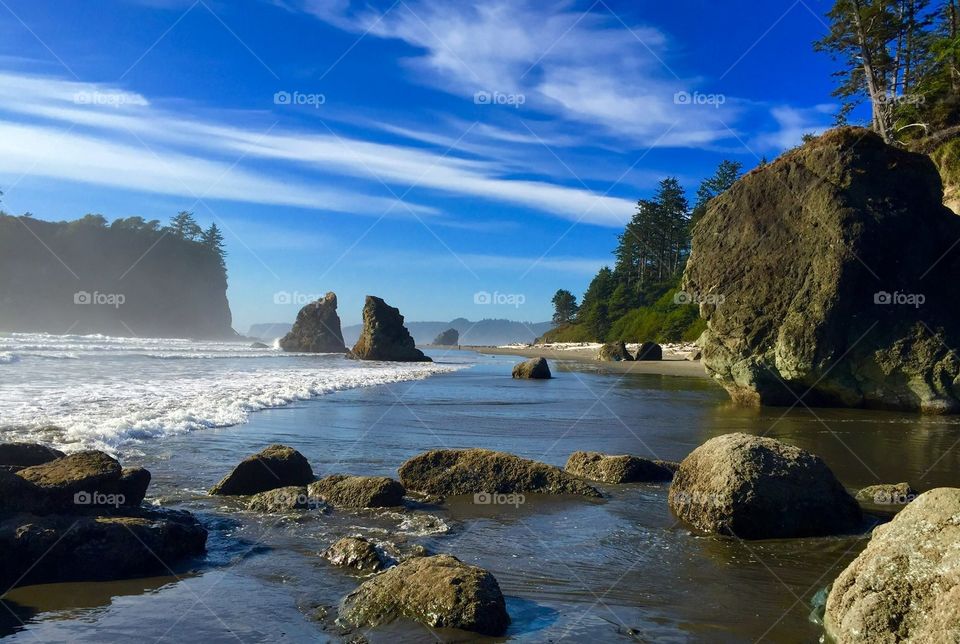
(82,481)
(317,329)
(448,472)
(276,466)
(258,345)
(438,591)
(753,487)
(622,468)
(532,369)
(384,337)
(16,456)
(280,500)
(357,553)
(649,351)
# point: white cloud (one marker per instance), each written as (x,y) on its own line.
(792,124)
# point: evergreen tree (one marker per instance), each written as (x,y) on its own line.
(184,226)
(594,310)
(212,238)
(564,307)
(726,175)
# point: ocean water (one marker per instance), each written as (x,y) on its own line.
(622,569)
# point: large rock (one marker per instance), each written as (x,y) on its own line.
(532,369)
(317,329)
(383,336)
(448,472)
(357,553)
(358,491)
(438,591)
(614,352)
(448,338)
(622,468)
(753,487)
(16,456)
(894,494)
(280,500)
(60,547)
(648,351)
(905,586)
(276,466)
(76,482)
(830,274)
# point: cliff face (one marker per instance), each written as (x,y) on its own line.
(947,159)
(86,276)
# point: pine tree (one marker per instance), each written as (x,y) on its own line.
(212,239)
(726,175)
(564,307)
(184,226)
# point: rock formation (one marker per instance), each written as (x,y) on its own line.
(280,500)
(438,591)
(894,494)
(614,352)
(384,337)
(532,369)
(448,338)
(752,487)
(448,472)
(619,469)
(649,351)
(905,586)
(829,275)
(276,466)
(358,491)
(357,553)
(317,329)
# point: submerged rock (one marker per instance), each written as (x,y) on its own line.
(60,547)
(279,500)
(276,466)
(438,591)
(905,586)
(532,369)
(384,337)
(16,456)
(621,468)
(753,487)
(830,275)
(649,351)
(448,472)
(356,553)
(317,329)
(614,352)
(895,494)
(258,345)
(358,491)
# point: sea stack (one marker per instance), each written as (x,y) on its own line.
(829,275)
(317,329)
(384,337)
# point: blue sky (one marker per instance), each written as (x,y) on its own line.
(420,151)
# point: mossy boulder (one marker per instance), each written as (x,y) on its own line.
(75,482)
(358,491)
(887,494)
(905,585)
(384,337)
(438,591)
(829,276)
(276,466)
(532,369)
(752,487)
(614,352)
(621,468)
(16,456)
(449,472)
(280,500)
(357,553)
(317,329)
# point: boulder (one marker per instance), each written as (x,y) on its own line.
(133,485)
(317,329)
(383,336)
(438,591)
(358,491)
(614,352)
(16,456)
(753,487)
(356,553)
(448,338)
(895,494)
(81,480)
(829,275)
(618,469)
(61,547)
(449,472)
(276,466)
(532,369)
(280,500)
(649,351)
(905,585)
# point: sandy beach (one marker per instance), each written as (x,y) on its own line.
(673,363)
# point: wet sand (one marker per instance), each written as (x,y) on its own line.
(669,366)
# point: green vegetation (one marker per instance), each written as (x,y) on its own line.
(639,298)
